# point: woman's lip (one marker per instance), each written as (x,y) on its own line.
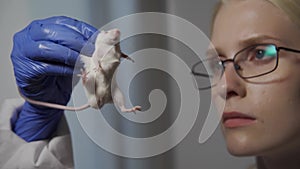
(237,119)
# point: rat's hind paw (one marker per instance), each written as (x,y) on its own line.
(137,108)
(134,109)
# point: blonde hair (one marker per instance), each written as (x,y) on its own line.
(290,7)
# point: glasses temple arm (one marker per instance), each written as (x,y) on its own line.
(288,49)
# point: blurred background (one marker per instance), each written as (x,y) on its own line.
(15,15)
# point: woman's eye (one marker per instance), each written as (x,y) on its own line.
(267,52)
(260,54)
(256,54)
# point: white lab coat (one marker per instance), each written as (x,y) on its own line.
(15,153)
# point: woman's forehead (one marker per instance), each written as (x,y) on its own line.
(241,20)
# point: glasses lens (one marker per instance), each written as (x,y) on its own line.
(256,60)
(208,72)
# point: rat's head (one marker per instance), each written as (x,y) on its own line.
(110,37)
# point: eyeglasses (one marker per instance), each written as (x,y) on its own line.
(250,62)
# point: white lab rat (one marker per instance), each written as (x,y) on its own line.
(97,75)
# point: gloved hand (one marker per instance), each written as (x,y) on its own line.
(44,56)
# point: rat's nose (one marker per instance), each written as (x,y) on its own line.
(116,31)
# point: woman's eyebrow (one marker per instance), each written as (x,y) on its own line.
(251,40)
(256,38)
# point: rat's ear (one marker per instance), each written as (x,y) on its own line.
(124,55)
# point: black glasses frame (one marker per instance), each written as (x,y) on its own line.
(236,66)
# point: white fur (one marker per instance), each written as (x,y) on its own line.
(97,75)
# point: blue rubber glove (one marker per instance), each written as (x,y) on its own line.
(44,56)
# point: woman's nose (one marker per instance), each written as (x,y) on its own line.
(232,85)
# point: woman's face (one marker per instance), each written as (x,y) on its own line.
(273,100)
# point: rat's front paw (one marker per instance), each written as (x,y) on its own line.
(83,75)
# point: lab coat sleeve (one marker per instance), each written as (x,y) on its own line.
(16,153)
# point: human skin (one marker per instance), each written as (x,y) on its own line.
(273,99)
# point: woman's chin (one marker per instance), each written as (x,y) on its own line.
(241,146)
(240,152)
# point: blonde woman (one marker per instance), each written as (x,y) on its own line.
(258,43)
